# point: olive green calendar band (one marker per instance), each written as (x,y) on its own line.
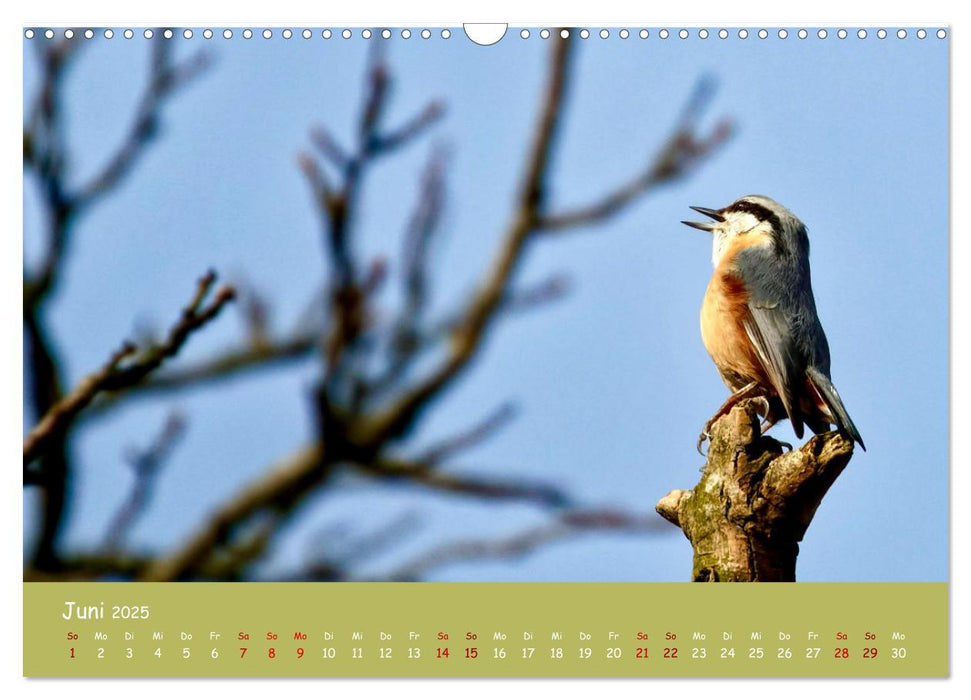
(486,629)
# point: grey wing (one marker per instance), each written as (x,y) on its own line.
(772,311)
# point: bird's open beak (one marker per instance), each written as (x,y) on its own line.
(708,226)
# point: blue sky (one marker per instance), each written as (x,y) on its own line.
(613,384)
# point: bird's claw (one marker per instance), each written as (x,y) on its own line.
(705,435)
(763,407)
(701,441)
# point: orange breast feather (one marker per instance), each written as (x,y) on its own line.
(723,311)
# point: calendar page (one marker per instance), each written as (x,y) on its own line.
(486,351)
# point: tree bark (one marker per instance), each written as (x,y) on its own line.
(748,513)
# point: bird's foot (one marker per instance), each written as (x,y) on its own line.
(770,420)
(743,393)
(762,408)
(706,432)
(705,435)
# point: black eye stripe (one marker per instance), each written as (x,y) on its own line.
(757,210)
(763,214)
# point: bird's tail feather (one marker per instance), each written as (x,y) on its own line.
(832,398)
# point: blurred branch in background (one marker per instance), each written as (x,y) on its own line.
(337,549)
(679,156)
(47,160)
(126,367)
(484,430)
(47,154)
(383,370)
(146,465)
(566,525)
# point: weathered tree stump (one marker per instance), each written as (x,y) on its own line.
(751,508)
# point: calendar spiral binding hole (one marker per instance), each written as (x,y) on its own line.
(702,33)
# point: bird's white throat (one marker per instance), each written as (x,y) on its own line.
(737,224)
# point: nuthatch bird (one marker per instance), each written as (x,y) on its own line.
(758,319)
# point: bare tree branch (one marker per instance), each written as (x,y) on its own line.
(146,464)
(337,205)
(412,344)
(117,374)
(362,439)
(166,77)
(389,468)
(279,490)
(223,367)
(88,566)
(45,151)
(231,562)
(411,130)
(320,185)
(399,417)
(568,524)
(367,400)
(62,413)
(47,156)
(549,290)
(255,312)
(329,148)
(336,550)
(276,496)
(408,337)
(422,227)
(611,204)
(493,423)
(683,150)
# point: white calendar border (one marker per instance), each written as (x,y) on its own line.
(435,13)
